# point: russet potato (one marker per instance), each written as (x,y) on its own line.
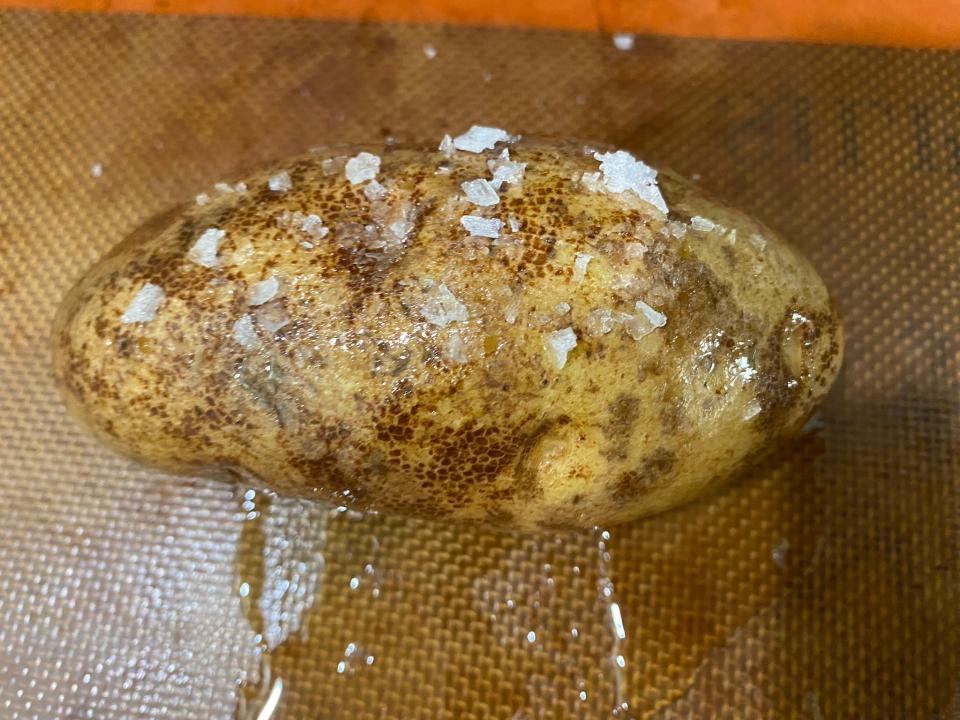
(506,331)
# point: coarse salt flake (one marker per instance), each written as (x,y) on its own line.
(622,172)
(561,308)
(558,344)
(479,138)
(480,192)
(374,191)
(272,317)
(430,51)
(455,350)
(505,170)
(442,307)
(447,146)
(752,410)
(580,262)
(244,333)
(144,305)
(204,250)
(623,40)
(592,182)
(202,199)
(263,291)
(481,226)
(702,224)
(96,170)
(280,182)
(657,319)
(310,224)
(362,167)
(645,321)
(514,222)
(224,188)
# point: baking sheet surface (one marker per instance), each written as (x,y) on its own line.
(824,584)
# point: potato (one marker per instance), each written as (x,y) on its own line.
(501,331)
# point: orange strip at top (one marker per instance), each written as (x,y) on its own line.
(904,23)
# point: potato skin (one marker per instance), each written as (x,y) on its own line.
(361,398)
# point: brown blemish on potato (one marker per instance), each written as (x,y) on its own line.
(651,472)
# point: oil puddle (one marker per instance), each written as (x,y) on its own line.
(280,564)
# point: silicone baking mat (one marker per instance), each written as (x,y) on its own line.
(823,584)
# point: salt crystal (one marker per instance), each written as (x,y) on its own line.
(263,291)
(240,187)
(514,222)
(558,344)
(446,146)
(202,199)
(510,314)
(592,182)
(677,229)
(634,250)
(479,138)
(313,226)
(362,167)
(645,322)
(702,224)
(752,410)
(430,51)
(330,166)
(455,351)
(244,333)
(443,308)
(310,224)
(223,188)
(374,191)
(204,250)
(744,370)
(96,170)
(481,226)
(272,317)
(505,170)
(622,172)
(480,192)
(144,305)
(561,308)
(280,182)
(600,322)
(758,241)
(623,41)
(580,262)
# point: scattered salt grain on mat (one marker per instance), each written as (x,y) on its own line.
(623,41)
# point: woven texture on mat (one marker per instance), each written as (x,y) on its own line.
(823,585)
